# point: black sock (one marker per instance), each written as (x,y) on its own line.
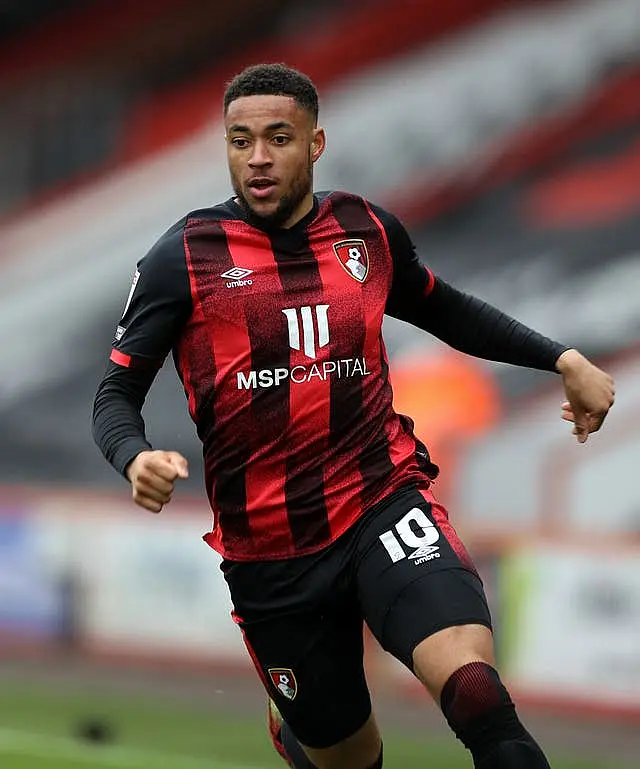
(479,710)
(524,753)
(297,756)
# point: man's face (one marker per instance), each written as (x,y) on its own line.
(272,144)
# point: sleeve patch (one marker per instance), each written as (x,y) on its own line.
(120,358)
(135,361)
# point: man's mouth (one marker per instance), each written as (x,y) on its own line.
(262,187)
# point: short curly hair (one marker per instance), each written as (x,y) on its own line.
(273,79)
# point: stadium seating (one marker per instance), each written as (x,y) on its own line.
(453,153)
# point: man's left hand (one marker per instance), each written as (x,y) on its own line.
(590,393)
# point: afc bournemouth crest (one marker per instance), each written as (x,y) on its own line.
(353,256)
(284,681)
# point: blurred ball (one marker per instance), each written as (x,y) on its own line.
(95,730)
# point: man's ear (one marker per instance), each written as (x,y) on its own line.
(319,144)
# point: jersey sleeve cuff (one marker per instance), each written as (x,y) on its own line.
(128,452)
(558,350)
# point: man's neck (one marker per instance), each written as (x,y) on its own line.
(303,209)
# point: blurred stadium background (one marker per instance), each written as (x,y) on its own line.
(506,135)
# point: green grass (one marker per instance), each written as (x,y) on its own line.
(38,730)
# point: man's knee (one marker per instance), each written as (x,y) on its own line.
(438,656)
(475,694)
(482,715)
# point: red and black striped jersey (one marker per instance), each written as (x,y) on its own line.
(276,335)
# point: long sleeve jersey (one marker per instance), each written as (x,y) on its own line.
(276,335)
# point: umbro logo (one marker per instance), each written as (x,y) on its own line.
(236,277)
(236,273)
(424,553)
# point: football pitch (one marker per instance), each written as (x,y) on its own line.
(45,729)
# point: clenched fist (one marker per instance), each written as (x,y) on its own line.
(152,475)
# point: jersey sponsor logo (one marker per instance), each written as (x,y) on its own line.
(308,329)
(309,339)
(273,377)
(404,535)
(354,257)
(285,682)
(236,277)
(119,333)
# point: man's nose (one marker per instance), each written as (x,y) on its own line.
(260,156)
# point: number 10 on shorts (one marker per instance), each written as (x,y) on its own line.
(406,532)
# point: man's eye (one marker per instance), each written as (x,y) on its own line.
(240,143)
(281,139)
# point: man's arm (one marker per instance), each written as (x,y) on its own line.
(474,327)
(117,425)
(477,328)
(158,306)
(461,320)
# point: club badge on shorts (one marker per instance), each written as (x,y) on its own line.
(284,681)
(354,257)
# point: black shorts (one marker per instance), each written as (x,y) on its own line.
(401,569)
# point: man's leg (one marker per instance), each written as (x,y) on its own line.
(425,604)
(350,752)
(456,665)
(324,719)
(304,633)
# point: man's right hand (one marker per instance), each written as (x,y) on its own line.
(152,475)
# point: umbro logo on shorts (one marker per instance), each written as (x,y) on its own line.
(424,551)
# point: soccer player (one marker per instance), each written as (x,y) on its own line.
(323,511)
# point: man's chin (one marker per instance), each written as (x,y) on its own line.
(263,209)
(267,213)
